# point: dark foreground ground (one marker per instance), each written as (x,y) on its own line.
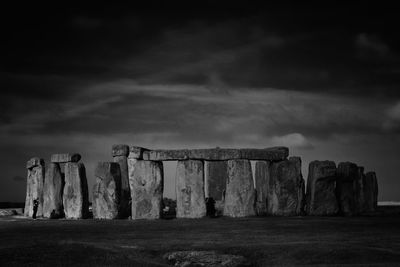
(268,241)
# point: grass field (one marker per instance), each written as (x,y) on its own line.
(267,241)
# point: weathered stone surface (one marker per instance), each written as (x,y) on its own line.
(272,154)
(190,197)
(146,184)
(67,157)
(371,189)
(359,187)
(347,174)
(240,193)
(120,150)
(262,176)
(34,190)
(125,207)
(136,152)
(321,183)
(205,258)
(286,188)
(75,195)
(52,192)
(215,176)
(107,191)
(33,162)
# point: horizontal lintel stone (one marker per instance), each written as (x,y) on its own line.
(120,150)
(33,162)
(67,157)
(136,152)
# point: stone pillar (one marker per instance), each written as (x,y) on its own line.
(359,189)
(347,174)
(75,195)
(53,192)
(321,184)
(34,186)
(240,193)
(286,188)
(215,176)
(190,197)
(146,179)
(262,177)
(371,192)
(120,155)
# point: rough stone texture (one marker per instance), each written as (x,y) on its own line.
(215,176)
(272,154)
(321,183)
(204,258)
(359,187)
(63,158)
(240,192)
(262,176)
(146,184)
(370,192)
(75,195)
(125,207)
(190,197)
(286,188)
(53,192)
(107,191)
(347,174)
(33,162)
(136,152)
(34,190)
(120,150)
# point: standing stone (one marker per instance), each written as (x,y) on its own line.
(286,188)
(190,197)
(53,192)
(107,191)
(359,189)
(34,186)
(215,176)
(120,154)
(321,182)
(75,195)
(371,192)
(146,183)
(240,193)
(262,176)
(347,174)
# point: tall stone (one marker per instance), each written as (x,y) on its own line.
(371,192)
(146,179)
(286,188)
(359,189)
(321,184)
(240,192)
(190,197)
(53,192)
(107,191)
(75,195)
(347,174)
(262,177)
(215,176)
(34,187)
(120,154)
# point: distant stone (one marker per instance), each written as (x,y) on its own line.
(321,195)
(240,193)
(347,174)
(52,192)
(75,195)
(34,190)
(262,176)
(205,258)
(107,191)
(120,150)
(63,158)
(125,207)
(215,176)
(286,188)
(190,195)
(136,152)
(33,162)
(146,184)
(359,188)
(371,191)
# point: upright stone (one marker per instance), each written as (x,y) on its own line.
(34,187)
(240,193)
(321,183)
(359,189)
(286,188)
(371,192)
(190,197)
(75,195)
(53,192)
(262,177)
(146,183)
(107,191)
(120,154)
(215,176)
(347,174)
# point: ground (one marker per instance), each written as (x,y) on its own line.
(264,241)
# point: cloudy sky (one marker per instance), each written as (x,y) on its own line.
(320,79)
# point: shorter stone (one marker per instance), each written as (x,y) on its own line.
(33,162)
(204,258)
(67,157)
(52,192)
(136,152)
(120,150)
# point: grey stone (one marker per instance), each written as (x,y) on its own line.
(75,195)
(190,197)
(371,191)
(136,152)
(107,191)
(321,184)
(34,190)
(125,189)
(67,157)
(146,184)
(215,176)
(286,188)
(205,258)
(359,187)
(262,176)
(120,150)
(347,174)
(52,192)
(240,192)
(33,162)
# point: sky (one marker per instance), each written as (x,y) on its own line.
(320,78)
